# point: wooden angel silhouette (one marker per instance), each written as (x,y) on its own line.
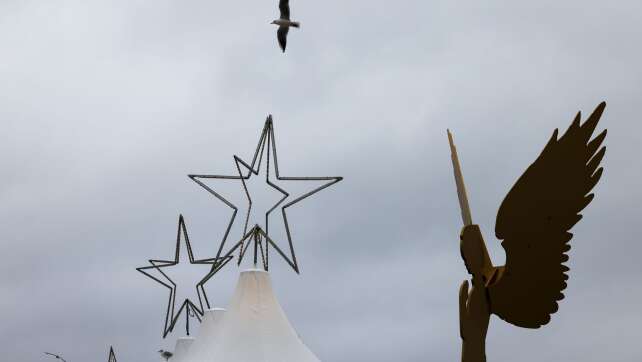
(533,223)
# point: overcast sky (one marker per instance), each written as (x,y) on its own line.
(106,106)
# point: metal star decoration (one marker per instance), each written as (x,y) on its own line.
(56,356)
(257,236)
(112,355)
(187,306)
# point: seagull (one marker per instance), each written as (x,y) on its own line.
(284,23)
(166,354)
(55,355)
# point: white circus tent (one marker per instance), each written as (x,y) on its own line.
(182,347)
(207,333)
(253,329)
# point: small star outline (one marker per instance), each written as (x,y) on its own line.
(187,306)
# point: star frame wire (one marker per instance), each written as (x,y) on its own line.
(112,355)
(187,307)
(257,235)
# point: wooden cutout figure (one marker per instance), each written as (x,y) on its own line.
(533,223)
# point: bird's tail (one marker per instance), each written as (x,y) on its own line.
(296,24)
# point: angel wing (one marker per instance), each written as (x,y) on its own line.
(534,222)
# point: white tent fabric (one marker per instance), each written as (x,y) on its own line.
(254,328)
(207,333)
(180,351)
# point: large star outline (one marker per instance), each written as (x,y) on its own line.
(261,239)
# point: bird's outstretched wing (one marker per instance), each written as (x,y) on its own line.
(534,222)
(282,36)
(284,7)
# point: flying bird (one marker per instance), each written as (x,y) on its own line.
(166,354)
(533,223)
(284,23)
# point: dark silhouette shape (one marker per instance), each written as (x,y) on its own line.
(534,222)
(284,23)
(55,355)
(112,355)
(187,306)
(165,354)
(266,140)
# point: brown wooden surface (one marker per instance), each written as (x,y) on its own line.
(533,221)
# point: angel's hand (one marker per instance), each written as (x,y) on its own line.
(472,249)
(463,310)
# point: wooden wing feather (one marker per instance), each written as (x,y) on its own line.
(534,222)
